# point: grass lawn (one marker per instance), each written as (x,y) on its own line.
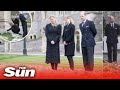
(44,71)
(40,60)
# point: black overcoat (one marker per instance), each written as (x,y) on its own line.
(68,37)
(52,51)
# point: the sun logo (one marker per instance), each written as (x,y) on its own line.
(19,72)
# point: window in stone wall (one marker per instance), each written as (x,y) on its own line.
(34,36)
(30,37)
(0,42)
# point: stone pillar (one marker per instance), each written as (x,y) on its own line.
(104,44)
(43,47)
(5,16)
(2,24)
(10,46)
(7,46)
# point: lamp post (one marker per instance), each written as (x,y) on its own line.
(24,47)
(24,26)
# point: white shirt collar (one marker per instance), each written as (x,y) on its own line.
(84,20)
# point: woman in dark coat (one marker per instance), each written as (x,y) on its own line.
(68,40)
(16,21)
(53,34)
(14,27)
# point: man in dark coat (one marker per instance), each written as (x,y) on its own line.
(24,23)
(68,39)
(112,32)
(53,34)
(89,32)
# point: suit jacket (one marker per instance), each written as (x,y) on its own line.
(88,31)
(112,33)
(22,18)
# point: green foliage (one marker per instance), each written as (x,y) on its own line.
(6,36)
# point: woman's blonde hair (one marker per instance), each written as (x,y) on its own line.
(56,21)
(71,20)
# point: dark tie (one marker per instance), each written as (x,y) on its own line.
(83,24)
(112,25)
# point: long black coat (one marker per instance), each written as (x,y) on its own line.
(24,24)
(68,37)
(112,33)
(16,21)
(15,29)
(88,31)
(52,51)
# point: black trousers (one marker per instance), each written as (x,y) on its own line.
(112,52)
(88,58)
(71,62)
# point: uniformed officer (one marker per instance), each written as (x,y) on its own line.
(89,32)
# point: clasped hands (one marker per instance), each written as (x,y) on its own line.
(52,42)
(65,43)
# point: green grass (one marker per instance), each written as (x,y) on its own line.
(7,36)
(40,60)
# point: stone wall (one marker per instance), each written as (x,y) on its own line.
(39,44)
